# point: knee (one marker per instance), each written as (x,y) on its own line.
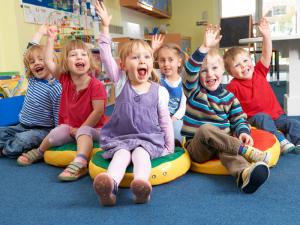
(84,130)
(261,116)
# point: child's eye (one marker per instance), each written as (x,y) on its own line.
(245,60)
(215,68)
(203,72)
(237,65)
(147,56)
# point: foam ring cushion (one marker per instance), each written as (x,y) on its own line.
(263,140)
(62,155)
(164,169)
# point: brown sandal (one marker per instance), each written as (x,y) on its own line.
(29,157)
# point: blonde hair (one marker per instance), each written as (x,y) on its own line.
(178,51)
(72,45)
(126,50)
(230,55)
(214,52)
(28,56)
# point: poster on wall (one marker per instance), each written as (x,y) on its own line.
(77,13)
(64,5)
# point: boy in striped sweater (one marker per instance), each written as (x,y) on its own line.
(214,123)
(39,113)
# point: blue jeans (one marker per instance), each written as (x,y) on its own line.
(288,126)
(15,140)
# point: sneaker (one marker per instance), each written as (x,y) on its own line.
(251,178)
(297,149)
(255,155)
(106,188)
(141,190)
(286,146)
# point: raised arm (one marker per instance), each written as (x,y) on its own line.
(49,51)
(156,41)
(111,67)
(267,42)
(192,65)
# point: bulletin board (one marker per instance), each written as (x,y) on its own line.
(64,5)
(235,28)
(81,13)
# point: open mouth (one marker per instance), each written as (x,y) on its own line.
(39,69)
(142,72)
(80,65)
(211,82)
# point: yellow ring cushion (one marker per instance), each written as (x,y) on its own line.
(164,169)
(62,156)
(263,140)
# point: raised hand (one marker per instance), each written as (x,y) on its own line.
(52,32)
(157,41)
(103,13)
(212,36)
(246,139)
(263,27)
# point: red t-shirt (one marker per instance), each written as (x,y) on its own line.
(75,107)
(256,94)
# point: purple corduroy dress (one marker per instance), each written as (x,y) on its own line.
(134,123)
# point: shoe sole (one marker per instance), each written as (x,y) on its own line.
(258,176)
(141,190)
(103,186)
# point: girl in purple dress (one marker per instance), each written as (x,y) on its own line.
(140,127)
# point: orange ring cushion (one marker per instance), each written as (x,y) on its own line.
(263,140)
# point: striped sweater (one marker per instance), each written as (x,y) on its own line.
(219,108)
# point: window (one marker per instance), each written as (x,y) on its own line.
(238,8)
(281,15)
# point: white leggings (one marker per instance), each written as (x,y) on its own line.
(122,158)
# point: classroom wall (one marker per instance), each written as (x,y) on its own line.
(186,13)
(15,33)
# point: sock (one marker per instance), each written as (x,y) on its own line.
(242,150)
(252,154)
(81,158)
(41,153)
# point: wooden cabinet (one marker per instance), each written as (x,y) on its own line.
(157,8)
(183,41)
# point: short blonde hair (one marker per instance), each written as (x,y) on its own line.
(178,51)
(214,52)
(230,55)
(39,49)
(126,50)
(71,45)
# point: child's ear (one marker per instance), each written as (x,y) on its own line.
(122,66)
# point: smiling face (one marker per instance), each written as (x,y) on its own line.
(138,64)
(78,61)
(241,67)
(169,62)
(34,61)
(211,72)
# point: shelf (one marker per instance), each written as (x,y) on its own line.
(144,8)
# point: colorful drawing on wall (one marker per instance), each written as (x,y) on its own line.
(39,11)
(65,5)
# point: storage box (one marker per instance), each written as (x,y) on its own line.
(10,109)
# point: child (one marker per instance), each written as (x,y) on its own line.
(39,112)
(82,105)
(170,60)
(250,86)
(213,114)
(140,127)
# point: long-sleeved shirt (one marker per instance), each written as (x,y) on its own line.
(219,108)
